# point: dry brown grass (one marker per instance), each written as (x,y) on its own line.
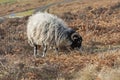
(23,5)
(98,23)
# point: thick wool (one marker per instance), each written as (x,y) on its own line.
(48,31)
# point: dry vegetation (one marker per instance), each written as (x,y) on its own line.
(22,5)
(98,22)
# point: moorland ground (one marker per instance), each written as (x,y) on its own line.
(97,21)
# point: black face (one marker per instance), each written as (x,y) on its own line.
(77,43)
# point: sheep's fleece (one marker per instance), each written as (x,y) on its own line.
(48,31)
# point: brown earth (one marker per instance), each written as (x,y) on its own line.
(98,22)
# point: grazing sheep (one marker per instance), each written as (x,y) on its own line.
(48,31)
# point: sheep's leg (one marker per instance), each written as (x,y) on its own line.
(35,50)
(44,50)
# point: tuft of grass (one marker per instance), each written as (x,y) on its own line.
(109,74)
(87,73)
(94,72)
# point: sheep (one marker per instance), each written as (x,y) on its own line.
(47,30)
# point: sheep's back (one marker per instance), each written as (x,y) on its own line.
(44,27)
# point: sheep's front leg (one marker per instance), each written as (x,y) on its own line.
(44,50)
(35,50)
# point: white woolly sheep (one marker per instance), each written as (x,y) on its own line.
(48,31)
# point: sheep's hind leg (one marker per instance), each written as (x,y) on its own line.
(44,50)
(35,50)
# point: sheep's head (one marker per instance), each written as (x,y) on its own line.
(76,40)
(73,39)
